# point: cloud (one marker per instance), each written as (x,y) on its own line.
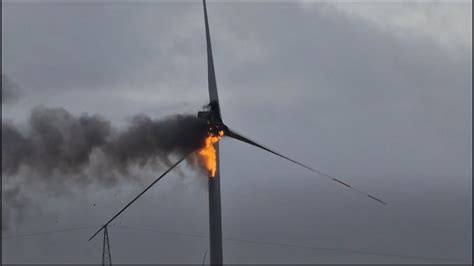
(447,23)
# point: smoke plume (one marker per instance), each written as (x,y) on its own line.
(14,207)
(9,90)
(56,150)
(55,142)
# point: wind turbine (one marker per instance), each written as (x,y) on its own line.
(216,130)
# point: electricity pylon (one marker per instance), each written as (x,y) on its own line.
(106,258)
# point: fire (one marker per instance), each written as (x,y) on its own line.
(209,153)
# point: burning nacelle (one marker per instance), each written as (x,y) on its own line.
(216,130)
(213,119)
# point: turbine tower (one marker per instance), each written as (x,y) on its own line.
(214,182)
(216,130)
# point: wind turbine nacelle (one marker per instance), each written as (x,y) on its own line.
(214,127)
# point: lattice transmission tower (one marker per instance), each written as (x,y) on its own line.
(106,258)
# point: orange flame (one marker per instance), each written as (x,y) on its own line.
(209,152)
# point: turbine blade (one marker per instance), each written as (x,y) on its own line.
(139,195)
(234,135)
(211,74)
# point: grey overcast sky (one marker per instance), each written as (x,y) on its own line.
(376,93)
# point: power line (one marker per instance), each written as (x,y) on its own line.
(268,243)
(346,250)
(48,232)
(161,232)
(248,241)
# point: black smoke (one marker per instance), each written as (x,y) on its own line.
(56,150)
(14,207)
(56,142)
(9,90)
